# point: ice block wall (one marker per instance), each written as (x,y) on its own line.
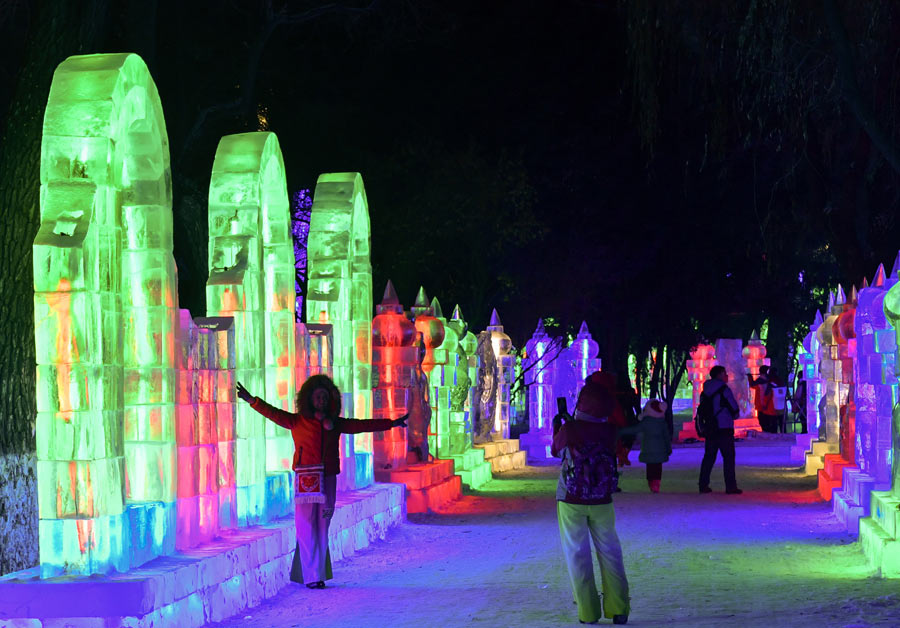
(105,318)
(339,293)
(251,278)
(204,427)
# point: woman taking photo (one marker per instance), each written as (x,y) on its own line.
(316,428)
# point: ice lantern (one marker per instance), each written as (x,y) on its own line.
(703,358)
(431,328)
(394,357)
(501,346)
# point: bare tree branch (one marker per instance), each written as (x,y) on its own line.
(851,92)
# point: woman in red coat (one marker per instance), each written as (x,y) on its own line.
(316,428)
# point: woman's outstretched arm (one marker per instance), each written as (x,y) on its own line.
(357,426)
(276,415)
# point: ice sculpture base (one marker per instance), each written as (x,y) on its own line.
(208,583)
(802,447)
(504,454)
(815,459)
(472,468)
(852,502)
(537,445)
(830,475)
(878,534)
(429,485)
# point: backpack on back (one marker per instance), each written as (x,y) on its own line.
(589,472)
(706,422)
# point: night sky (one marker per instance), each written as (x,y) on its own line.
(664,172)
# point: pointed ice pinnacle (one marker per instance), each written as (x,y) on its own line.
(539,330)
(436,306)
(865,284)
(819,320)
(896,267)
(421,298)
(754,336)
(495,319)
(841,298)
(879,278)
(457,314)
(854,295)
(583,330)
(831,300)
(390,295)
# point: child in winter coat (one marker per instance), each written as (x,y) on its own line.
(656,446)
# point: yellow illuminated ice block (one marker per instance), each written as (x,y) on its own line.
(105,314)
(251,277)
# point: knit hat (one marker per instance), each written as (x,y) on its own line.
(656,408)
(595,398)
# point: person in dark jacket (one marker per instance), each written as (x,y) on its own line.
(726,410)
(656,445)
(316,428)
(584,504)
(630,402)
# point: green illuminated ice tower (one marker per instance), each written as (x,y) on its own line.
(105,320)
(251,278)
(339,292)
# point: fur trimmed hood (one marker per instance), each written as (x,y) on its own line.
(304,397)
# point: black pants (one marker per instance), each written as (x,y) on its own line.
(654,471)
(769,422)
(721,441)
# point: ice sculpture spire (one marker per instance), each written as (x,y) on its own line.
(878,279)
(895,269)
(539,330)
(390,295)
(854,295)
(831,302)
(421,306)
(841,298)
(436,307)
(495,320)
(818,320)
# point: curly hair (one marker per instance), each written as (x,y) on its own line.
(304,397)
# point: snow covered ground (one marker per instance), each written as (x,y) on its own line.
(773,556)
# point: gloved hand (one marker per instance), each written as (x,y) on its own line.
(400,422)
(243,394)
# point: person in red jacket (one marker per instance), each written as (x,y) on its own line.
(316,428)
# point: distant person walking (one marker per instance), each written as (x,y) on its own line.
(584,508)
(726,410)
(630,402)
(656,443)
(316,429)
(764,401)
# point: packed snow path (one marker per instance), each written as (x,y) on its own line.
(773,556)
